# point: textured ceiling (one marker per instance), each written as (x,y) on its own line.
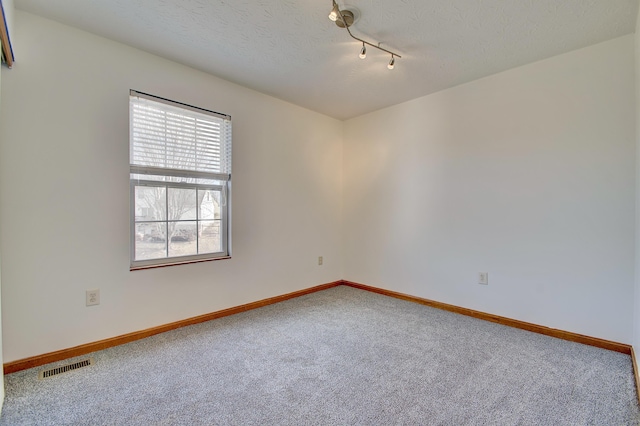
(289,49)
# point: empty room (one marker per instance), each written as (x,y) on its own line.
(319,212)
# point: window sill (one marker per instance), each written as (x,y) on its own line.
(186,262)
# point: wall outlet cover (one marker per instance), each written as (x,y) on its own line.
(483,278)
(93,297)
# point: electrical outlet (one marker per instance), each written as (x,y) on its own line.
(320,260)
(93,297)
(483,278)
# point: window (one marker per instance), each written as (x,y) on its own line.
(180,178)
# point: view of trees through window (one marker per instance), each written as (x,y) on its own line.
(176,221)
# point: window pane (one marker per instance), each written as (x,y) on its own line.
(150,203)
(209,236)
(182,204)
(183,240)
(209,204)
(150,241)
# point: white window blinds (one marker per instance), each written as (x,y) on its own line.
(179,139)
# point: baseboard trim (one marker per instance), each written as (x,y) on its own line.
(36,361)
(560,334)
(634,361)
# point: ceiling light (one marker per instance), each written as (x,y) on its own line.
(363,51)
(344,19)
(335,12)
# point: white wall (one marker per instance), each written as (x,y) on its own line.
(8,13)
(528,175)
(64,193)
(1,359)
(8,8)
(636,317)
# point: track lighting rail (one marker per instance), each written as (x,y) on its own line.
(370,44)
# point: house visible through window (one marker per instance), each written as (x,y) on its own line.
(180,174)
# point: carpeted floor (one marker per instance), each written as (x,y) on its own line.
(336,357)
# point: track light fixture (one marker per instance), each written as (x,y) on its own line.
(363,51)
(344,19)
(335,12)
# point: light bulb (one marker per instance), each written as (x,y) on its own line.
(335,12)
(392,63)
(363,52)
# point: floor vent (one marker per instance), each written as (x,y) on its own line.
(59,370)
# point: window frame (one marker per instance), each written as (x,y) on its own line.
(224,187)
